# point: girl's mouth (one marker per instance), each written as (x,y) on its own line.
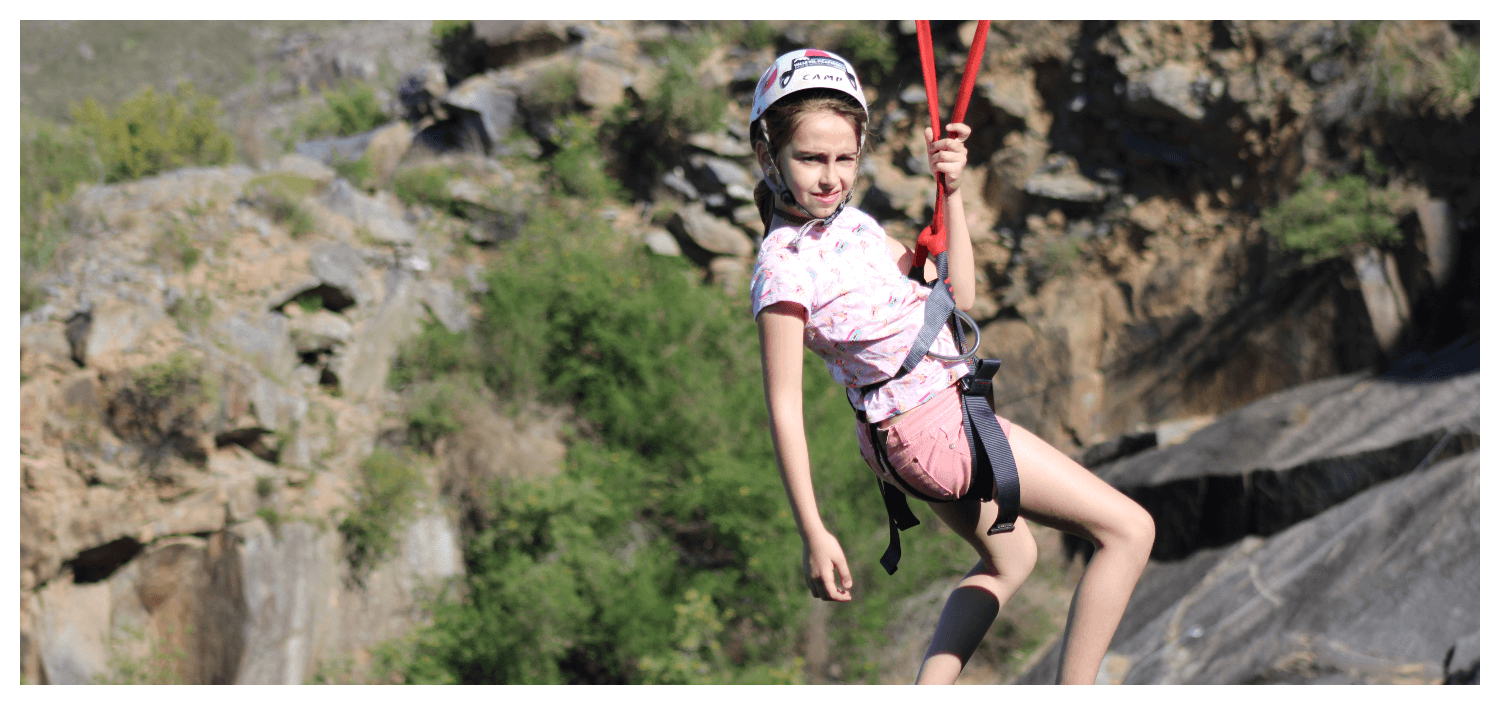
(826,199)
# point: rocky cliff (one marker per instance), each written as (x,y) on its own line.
(207,371)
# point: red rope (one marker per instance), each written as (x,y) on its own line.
(934,237)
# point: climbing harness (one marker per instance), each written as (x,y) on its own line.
(988,446)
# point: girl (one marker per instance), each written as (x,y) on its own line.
(829,277)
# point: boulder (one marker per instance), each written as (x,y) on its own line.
(494,101)
(44,345)
(117,326)
(720,143)
(304,165)
(445,304)
(263,339)
(661,242)
(362,365)
(724,175)
(72,631)
(1375,590)
(510,41)
(1168,92)
(336,150)
(1289,456)
(321,330)
(373,215)
(709,232)
(340,266)
(388,145)
(1065,187)
(600,85)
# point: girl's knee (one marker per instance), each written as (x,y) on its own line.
(1012,556)
(1138,530)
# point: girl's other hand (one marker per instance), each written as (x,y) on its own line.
(827,570)
(948,156)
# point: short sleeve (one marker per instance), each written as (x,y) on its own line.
(779,277)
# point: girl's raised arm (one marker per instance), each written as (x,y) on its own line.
(780,326)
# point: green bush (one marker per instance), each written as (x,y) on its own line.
(1326,219)
(578,165)
(427,185)
(54,160)
(149,133)
(870,46)
(349,110)
(387,495)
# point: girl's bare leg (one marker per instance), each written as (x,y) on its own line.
(1057,492)
(1005,561)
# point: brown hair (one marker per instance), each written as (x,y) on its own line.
(782,120)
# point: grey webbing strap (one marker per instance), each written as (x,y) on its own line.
(937,311)
(988,446)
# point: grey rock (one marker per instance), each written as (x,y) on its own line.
(288,577)
(720,144)
(1374,590)
(320,330)
(72,629)
(511,41)
(443,301)
(373,215)
(913,94)
(661,242)
(601,85)
(339,265)
(1165,92)
(495,101)
(303,165)
(728,176)
(1461,665)
(710,232)
(677,181)
(117,325)
(335,150)
(1065,187)
(263,340)
(1118,447)
(361,367)
(1289,456)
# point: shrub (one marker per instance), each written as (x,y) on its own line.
(427,185)
(578,165)
(158,407)
(387,495)
(1326,219)
(148,133)
(349,110)
(55,160)
(870,47)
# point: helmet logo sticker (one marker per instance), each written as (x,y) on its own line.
(814,59)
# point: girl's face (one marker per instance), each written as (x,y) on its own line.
(819,162)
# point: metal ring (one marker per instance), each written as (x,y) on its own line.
(972,350)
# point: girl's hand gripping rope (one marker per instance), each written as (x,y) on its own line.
(826,569)
(947,157)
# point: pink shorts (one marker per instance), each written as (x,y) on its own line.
(927,447)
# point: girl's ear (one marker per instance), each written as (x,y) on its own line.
(763,157)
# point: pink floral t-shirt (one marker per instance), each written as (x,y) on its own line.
(863,313)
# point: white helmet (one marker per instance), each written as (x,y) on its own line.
(798,71)
(803,69)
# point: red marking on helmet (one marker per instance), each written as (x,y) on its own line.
(816,52)
(765,83)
